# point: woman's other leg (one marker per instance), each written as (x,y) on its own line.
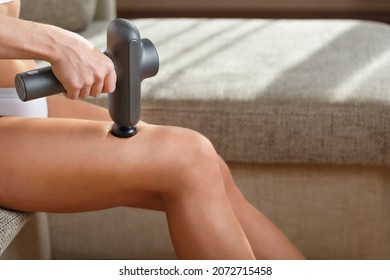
(267,241)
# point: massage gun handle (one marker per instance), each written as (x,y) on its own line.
(37,83)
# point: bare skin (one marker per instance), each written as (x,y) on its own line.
(71,163)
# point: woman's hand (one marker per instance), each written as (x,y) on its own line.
(82,69)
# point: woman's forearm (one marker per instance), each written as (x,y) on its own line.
(22,39)
(26,40)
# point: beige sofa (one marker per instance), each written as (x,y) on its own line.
(299,109)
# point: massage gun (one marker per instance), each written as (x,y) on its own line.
(135,59)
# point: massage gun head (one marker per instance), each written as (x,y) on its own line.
(135,59)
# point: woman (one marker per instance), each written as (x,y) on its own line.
(52,164)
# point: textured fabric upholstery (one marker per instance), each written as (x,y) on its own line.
(74,15)
(32,240)
(11,223)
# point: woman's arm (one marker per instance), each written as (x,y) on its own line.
(82,69)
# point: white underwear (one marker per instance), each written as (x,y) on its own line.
(12,106)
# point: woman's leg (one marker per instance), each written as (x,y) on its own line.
(267,241)
(265,238)
(68,165)
(72,165)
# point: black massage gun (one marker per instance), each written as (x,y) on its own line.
(135,59)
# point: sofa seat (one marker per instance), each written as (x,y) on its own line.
(300,111)
(275,91)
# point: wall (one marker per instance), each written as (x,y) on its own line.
(364,9)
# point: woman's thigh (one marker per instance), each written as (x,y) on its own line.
(69,165)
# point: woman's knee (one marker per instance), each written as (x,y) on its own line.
(191,159)
(162,160)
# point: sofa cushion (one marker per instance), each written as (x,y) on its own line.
(74,15)
(275,91)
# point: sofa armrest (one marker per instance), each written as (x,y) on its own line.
(11,223)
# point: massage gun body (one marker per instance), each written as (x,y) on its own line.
(135,59)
